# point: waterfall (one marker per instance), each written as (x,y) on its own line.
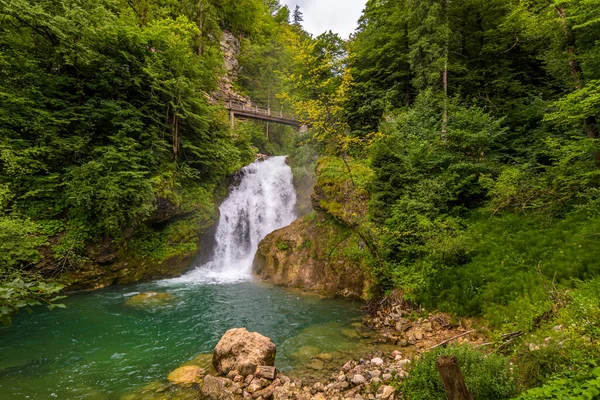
(262,202)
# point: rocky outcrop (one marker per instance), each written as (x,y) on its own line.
(305,255)
(125,269)
(231,48)
(240,352)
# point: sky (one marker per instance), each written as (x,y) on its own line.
(340,16)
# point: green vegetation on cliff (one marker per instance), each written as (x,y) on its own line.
(111,155)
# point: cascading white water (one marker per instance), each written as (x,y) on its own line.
(263,202)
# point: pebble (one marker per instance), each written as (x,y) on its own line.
(377,362)
(358,379)
(387,392)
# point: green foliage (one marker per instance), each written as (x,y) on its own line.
(20,294)
(565,388)
(424,186)
(283,246)
(18,242)
(537,366)
(486,377)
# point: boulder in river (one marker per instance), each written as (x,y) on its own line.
(243,351)
(149,299)
(187,376)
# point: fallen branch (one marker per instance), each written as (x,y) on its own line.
(451,339)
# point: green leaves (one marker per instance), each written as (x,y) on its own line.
(24,293)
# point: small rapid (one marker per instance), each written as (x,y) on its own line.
(262,202)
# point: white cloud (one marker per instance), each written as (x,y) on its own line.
(340,16)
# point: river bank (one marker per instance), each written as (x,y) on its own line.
(371,368)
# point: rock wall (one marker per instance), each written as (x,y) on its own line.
(231,49)
(175,229)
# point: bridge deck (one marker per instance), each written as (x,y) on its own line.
(261,114)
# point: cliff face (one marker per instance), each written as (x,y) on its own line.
(302,255)
(325,252)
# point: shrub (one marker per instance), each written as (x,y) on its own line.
(567,388)
(487,377)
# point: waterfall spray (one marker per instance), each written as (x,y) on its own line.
(263,202)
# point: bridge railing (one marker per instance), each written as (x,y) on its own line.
(267,112)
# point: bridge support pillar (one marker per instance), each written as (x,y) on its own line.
(303,128)
(232,119)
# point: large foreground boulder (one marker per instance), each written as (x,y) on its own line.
(243,351)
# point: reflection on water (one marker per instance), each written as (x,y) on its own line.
(101,346)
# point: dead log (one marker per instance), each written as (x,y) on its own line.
(452,378)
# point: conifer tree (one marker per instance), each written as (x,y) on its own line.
(298,16)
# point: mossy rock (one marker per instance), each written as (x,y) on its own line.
(187,376)
(306,353)
(326,357)
(150,299)
(203,361)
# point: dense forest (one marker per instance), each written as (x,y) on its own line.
(458,143)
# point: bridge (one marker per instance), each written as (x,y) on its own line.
(243,110)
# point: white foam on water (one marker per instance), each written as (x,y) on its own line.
(263,202)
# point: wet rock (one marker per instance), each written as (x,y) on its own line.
(326,357)
(149,299)
(220,389)
(316,364)
(187,376)
(350,333)
(243,351)
(306,352)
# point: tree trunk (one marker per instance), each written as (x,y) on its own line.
(445,73)
(452,378)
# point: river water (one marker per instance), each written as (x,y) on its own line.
(101,346)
